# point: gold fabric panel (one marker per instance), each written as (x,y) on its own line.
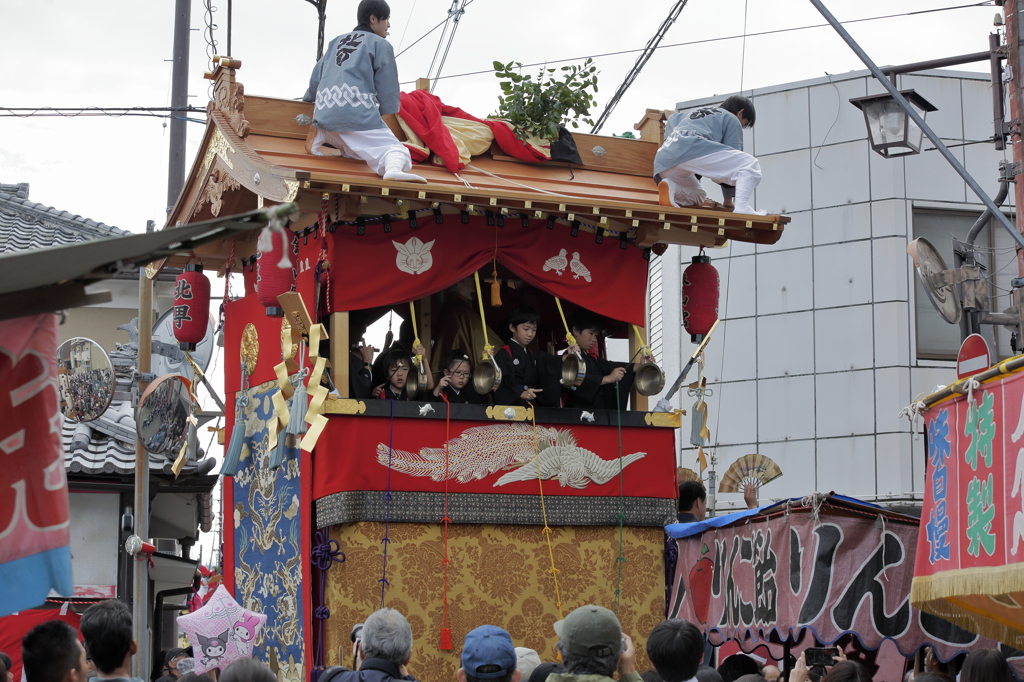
(498,576)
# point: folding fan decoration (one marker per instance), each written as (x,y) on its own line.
(754,468)
(683,475)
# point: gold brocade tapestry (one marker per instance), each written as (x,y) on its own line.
(499,575)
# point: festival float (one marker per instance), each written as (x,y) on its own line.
(456,515)
(823,570)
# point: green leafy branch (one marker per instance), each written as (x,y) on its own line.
(540,106)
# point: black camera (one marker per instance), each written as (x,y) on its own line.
(357,632)
(821,656)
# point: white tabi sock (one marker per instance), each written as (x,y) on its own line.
(394,170)
(744,188)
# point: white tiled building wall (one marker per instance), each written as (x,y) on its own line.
(816,354)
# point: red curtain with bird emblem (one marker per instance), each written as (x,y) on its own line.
(381,268)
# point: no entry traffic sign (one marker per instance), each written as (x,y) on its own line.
(973,357)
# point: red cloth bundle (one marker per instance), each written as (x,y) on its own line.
(422,112)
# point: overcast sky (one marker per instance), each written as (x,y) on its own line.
(115,53)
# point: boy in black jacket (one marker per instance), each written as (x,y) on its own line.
(522,370)
(603,377)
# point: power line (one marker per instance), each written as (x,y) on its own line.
(114,112)
(985,3)
(408,21)
(439,25)
(743,53)
(641,62)
(454,15)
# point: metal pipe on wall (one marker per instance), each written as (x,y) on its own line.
(969,322)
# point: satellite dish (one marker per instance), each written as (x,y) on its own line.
(85,379)
(168,358)
(931,269)
(161,419)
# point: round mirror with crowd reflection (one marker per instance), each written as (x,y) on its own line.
(85,379)
(161,421)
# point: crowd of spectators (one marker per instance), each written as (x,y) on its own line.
(592,648)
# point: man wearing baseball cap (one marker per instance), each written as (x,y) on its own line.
(488,655)
(593,647)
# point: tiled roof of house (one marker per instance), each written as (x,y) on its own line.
(27,225)
(91,449)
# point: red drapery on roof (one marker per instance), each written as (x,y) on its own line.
(422,112)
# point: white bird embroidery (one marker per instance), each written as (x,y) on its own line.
(570,464)
(557,263)
(578,268)
(477,452)
(483,450)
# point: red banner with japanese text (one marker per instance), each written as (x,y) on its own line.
(970,558)
(35,525)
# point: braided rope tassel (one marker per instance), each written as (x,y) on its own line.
(384,584)
(544,512)
(325,210)
(227,295)
(446,629)
(622,514)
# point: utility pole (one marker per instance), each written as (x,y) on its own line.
(229,28)
(1014,67)
(179,98)
(140,569)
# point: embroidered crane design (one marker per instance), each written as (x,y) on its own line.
(480,451)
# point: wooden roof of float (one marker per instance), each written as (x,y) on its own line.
(254,152)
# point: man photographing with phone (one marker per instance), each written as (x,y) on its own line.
(828,664)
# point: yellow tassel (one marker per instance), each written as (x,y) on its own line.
(959,596)
(495,292)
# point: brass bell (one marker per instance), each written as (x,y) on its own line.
(486,376)
(649,379)
(574,370)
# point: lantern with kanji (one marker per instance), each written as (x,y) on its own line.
(191,306)
(275,268)
(701,288)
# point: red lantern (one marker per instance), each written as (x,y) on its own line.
(191,306)
(275,268)
(701,288)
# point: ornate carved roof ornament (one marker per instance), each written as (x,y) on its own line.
(229,95)
(219,183)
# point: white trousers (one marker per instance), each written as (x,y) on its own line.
(379,148)
(729,166)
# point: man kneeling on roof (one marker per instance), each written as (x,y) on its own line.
(353,85)
(708,141)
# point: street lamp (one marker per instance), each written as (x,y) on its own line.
(890,130)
